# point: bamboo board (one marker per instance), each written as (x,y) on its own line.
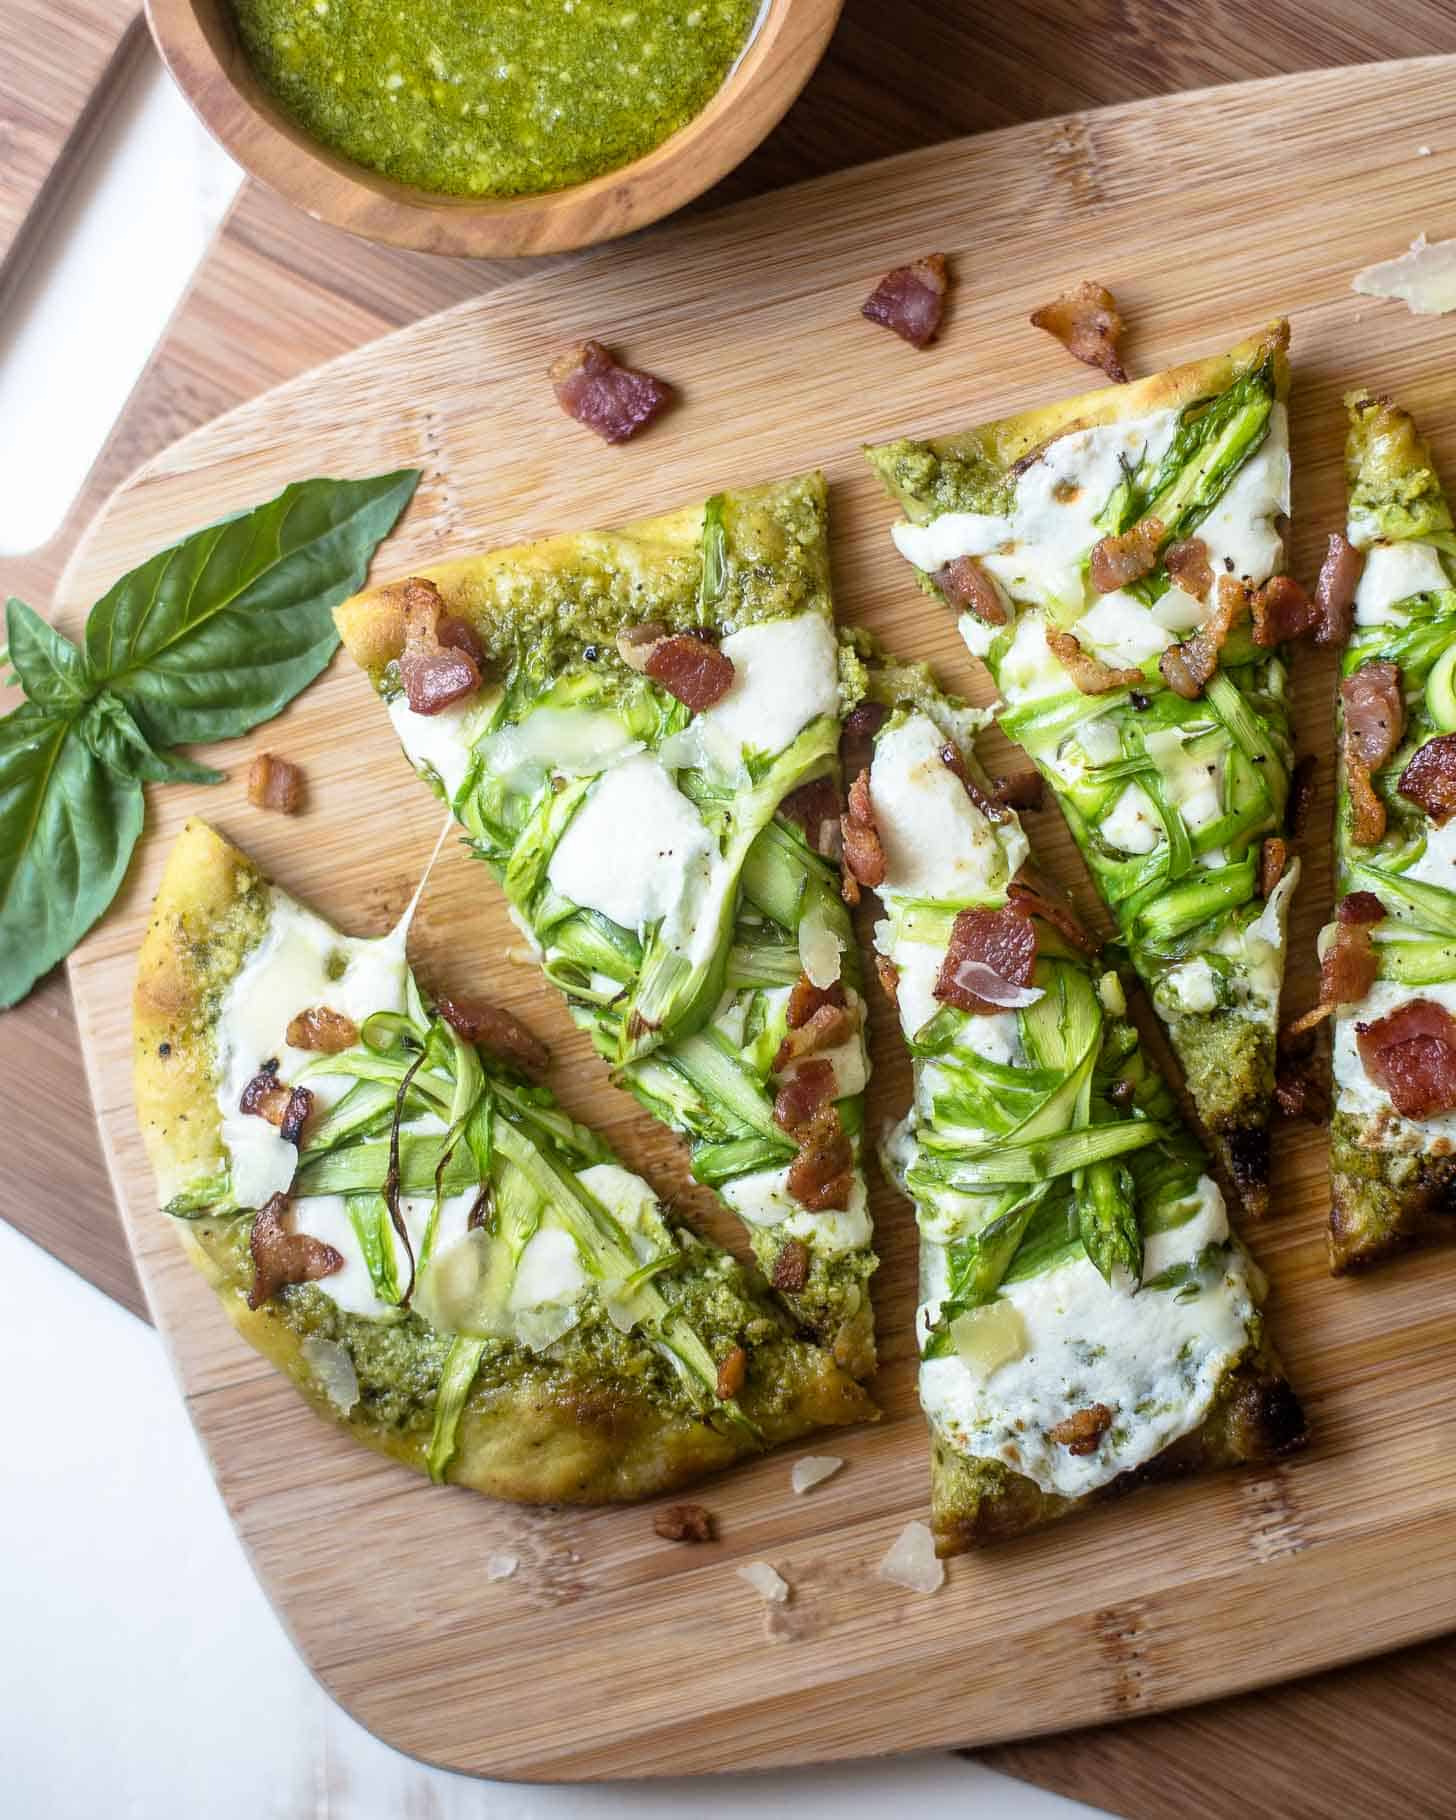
(1207,214)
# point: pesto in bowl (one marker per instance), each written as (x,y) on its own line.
(493,97)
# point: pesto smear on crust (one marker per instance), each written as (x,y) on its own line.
(493,97)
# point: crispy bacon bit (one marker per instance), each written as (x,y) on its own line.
(496,1030)
(1273,858)
(693,670)
(1117,560)
(1188,668)
(273,783)
(791,1266)
(1411,1053)
(857,740)
(322,1029)
(826,1028)
(816,808)
(281,1257)
(822,1174)
(1374,723)
(635,644)
(434,674)
(458,634)
(811,1086)
(1002,940)
(1020,790)
(911,299)
(864,857)
(969,588)
(1360,907)
(889,977)
(266,1097)
(1297,1093)
(1082,1431)
(1429,780)
(613,400)
(684,1523)
(954,761)
(732,1373)
(1349,964)
(1187,562)
(1334,592)
(1301,794)
(1089,673)
(1282,611)
(1030,897)
(806,998)
(1122,1092)
(1087,323)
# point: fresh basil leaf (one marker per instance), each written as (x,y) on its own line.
(219,632)
(68,824)
(114,737)
(52,671)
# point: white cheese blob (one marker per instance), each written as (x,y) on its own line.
(326,1217)
(1437,863)
(549,1271)
(1240,532)
(937,842)
(575,742)
(1132,825)
(634,848)
(1122,631)
(763,1199)
(1192,987)
(443,742)
(785,674)
(1392,573)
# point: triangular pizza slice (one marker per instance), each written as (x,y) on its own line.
(1087,1319)
(393,1210)
(1389,960)
(1117,562)
(638,730)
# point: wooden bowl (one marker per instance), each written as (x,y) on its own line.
(200,47)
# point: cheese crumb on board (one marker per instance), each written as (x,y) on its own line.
(501,1567)
(813,1470)
(1424,279)
(912,1560)
(765,1582)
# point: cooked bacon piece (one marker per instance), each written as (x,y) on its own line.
(1086,322)
(1117,560)
(822,1174)
(281,1257)
(684,1523)
(1082,1431)
(806,998)
(693,670)
(322,1029)
(496,1030)
(1020,790)
(1411,1053)
(864,857)
(1282,611)
(434,674)
(1301,794)
(1187,562)
(458,634)
(1334,592)
(1374,723)
(816,808)
(1349,964)
(969,588)
(1001,940)
(811,1086)
(1189,667)
(1359,907)
(1089,673)
(1297,1093)
(1429,780)
(635,644)
(615,401)
(857,740)
(827,1028)
(791,1266)
(911,299)
(266,1097)
(732,1373)
(1273,858)
(273,783)
(954,761)
(1029,897)
(889,977)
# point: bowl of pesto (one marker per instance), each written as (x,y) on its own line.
(491,126)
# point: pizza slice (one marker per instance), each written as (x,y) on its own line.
(1117,562)
(1087,1320)
(1388,966)
(394,1212)
(638,730)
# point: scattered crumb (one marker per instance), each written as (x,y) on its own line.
(273,783)
(684,1523)
(501,1567)
(1424,279)
(765,1582)
(912,1560)
(813,1470)
(1423,151)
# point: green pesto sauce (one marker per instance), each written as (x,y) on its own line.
(493,97)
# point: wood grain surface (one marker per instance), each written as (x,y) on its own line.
(1180,1595)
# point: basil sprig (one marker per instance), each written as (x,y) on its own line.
(204,641)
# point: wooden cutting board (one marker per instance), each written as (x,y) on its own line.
(591,1662)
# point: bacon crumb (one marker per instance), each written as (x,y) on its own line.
(857,741)
(1089,673)
(911,299)
(684,1523)
(1187,563)
(1082,1431)
(1374,705)
(816,808)
(1001,940)
(1020,790)
(1273,858)
(1349,964)
(821,1176)
(1297,1094)
(811,1086)
(968,587)
(791,1266)
(954,761)
(1087,323)
(281,1258)
(732,1374)
(805,998)
(435,675)
(696,672)
(1429,780)
(1334,593)
(1301,794)
(287,1108)
(274,783)
(1411,1053)
(319,1028)
(889,977)
(1189,667)
(1117,560)
(613,400)
(825,1028)
(505,1036)
(864,857)
(1282,612)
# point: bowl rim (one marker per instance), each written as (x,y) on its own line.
(199,47)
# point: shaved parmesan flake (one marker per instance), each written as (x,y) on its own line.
(332,1366)
(765,1582)
(1424,279)
(987,984)
(813,1470)
(501,1567)
(912,1560)
(819,947)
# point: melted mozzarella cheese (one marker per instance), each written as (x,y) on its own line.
(1392,573)
(549,1273)
(763,1199)
(1132,825)
(442,743)
(1122,631)
(574,742)
(1241,533)
(785,674)
(300,963)
(326,1217)
(1192,987)
(1437,863)
(937,842)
